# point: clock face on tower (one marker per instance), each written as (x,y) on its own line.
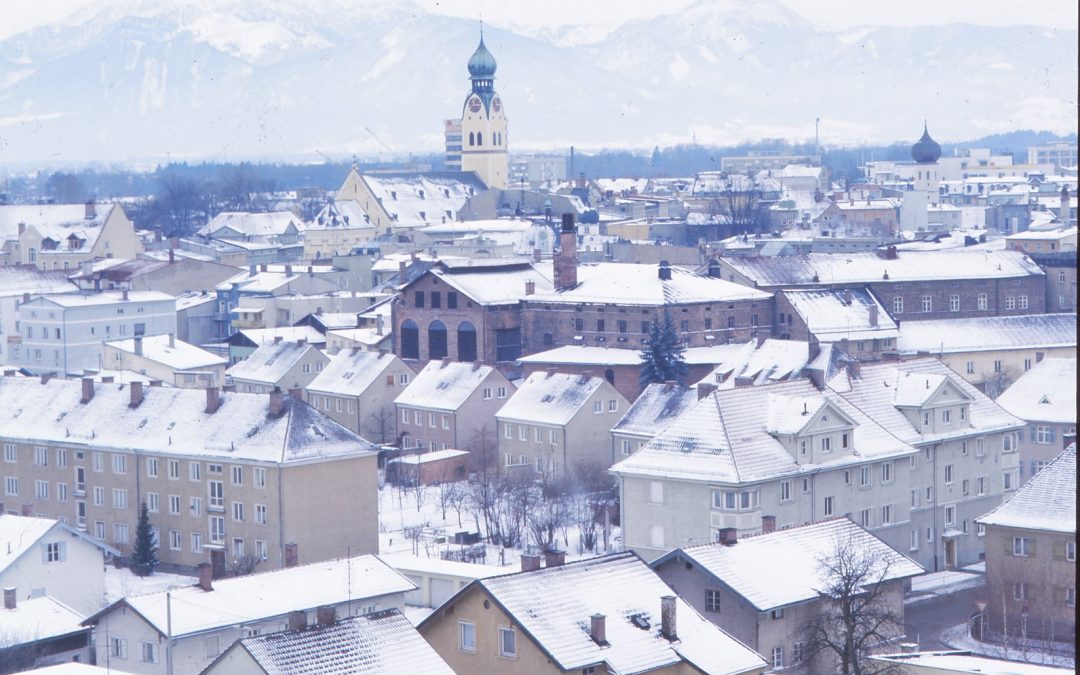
(474,104)
(496,104)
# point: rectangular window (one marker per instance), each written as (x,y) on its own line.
(970,368)
(41,489)
(119,464)
(950,515)
(914,498)
(553,437)
(500,392)
(1010,302)
(828,506)
(507,642)
(980,447)
(260,514)
(1022,547)
(217,530)
(174,469)
(196,542)
(41,456)
(1022,302)
(964,487)
(61,492)
(948,474)
(1070,551)
(927,303)
(151,467)
(436,300)
(99,496)
(1019,591)
(238,475)
(656,492)
(261,549)
(613,405)
(152,503)
(778,658)
(898,304)
(194,471)
(886,473)
(196,507)
(886,514)
(174,505)
(826,444)
(117,648)
(866,517)
(238,511)
(119,498)
(914,545)
(946,416)
(954,303)
(259,477)
(981,299)
(712,600)
(216,491)
(785,491)
(523,432)
(418,299)
(176,540)
(466,636)
(10,455)
(508,431)
(120,533)
(865,476)
(797,650)
(99,462)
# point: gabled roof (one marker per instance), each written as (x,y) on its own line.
(443,385)
(170,420)
(20,534)
(73,300)
(18,279)
(791,414)
(549,398)
(340,215)
(36,619)
(56,221)
(1046,393)
(382,643)
(553,606)
(1046,502)
(987,333)
(178,355)
(246,224)
(265,336)
(350,372)
(640,284)
(724,438)
(874,394)
(832,315)
(784,567)
(494,285)
(417,199)
(913,390)
(270,362)
(261,596)
(658,405)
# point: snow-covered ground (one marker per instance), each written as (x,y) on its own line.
(943,583)
(398,510)
(958,637)
(120,583)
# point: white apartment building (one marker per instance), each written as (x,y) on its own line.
(63,334)
(909,451)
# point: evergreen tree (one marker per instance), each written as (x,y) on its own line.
(144,556)
(662,356)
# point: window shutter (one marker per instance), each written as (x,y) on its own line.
(1009,545)
(1031,547)
(1059,551)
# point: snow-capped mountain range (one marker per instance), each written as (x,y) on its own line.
(136,80)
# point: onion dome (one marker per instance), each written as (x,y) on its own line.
(482,64)
(926,150)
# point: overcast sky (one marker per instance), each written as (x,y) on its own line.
(605,14)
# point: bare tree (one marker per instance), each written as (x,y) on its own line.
(454,496)
(483,451)
(857,610)
(740,209)
(379,427)
(995,384)
(549,514)
(243,565)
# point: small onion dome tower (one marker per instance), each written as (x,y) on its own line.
(926,150)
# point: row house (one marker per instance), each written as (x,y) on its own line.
(1045,398)
(166,359)
(357,389)
(911,285)
(555,422)
(224,475)
(279,365)
(909,451)
(452,405)
(64,334)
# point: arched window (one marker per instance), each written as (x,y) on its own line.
(479,137)
(466,342)
(436,340)
(472,138)
(410,340)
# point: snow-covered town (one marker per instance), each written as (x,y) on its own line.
(312,362)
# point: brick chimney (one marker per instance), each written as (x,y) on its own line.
(768,524)
(136,394)
(554,558)
(10,600)
(206,576)
(847,296)
(530,287)
(598,629)
(325,615)
(538,255)
(297,619)
(296,393)
(530,562)
(667,618)
(890,253)
(566,257)
(138,345)
(728,536)
(277,403)
(292,555)
(213,400)
(91,210)
(704,389)
(87,390)
(664,271)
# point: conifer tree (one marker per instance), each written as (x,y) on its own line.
(662,356)
(144,556)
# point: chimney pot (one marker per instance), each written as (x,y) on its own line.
(728,536)
(538,256)
(10,600)
(667,617)
(136,394)
(124,295)
(91,210)
(847,296)
(277,403)
(530,562)
(530,287)
(297,619)
(554,558)
(325,615)
(768,524)
(213,400)
(598,629)
(296,393)
(206,575)
(87,389)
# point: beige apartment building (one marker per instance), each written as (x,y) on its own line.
(164,358)
(357,389)
(280,364)
(225,476)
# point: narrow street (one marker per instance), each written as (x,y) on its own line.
(926,618)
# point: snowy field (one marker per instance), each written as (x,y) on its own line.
(120,583)
(958,637)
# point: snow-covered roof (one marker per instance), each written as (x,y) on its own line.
(18,279)
(71,300)
(270,362)
(882,387)
(724,438)
(640,284)
(350,372)
(176,354)
(832,315)
(366,336)
(785,567)
(171,421)
(495,285)
(382,643)
(414,200)
(868,267)
(258,283)
(549,398)
(56,221)
(429,457)
(585,355)
(988,333)
(40,618)
(553,606)
(264,225)
(1044,235)
(193,299)
(1046,502)
(658,405)
(407,563)
(443,385)
(965,662)
(262,336)
(262,596)
(18,534)
(1046,393)
(346,214)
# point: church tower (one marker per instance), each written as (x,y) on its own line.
(914,214)
(483,123)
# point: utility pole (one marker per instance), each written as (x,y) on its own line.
(817,138)
(168,629)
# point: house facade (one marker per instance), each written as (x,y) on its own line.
(166,359)
(1045,398)
(62,236)
(357,389)
(281,365)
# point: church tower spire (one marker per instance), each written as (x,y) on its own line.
(483,122)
